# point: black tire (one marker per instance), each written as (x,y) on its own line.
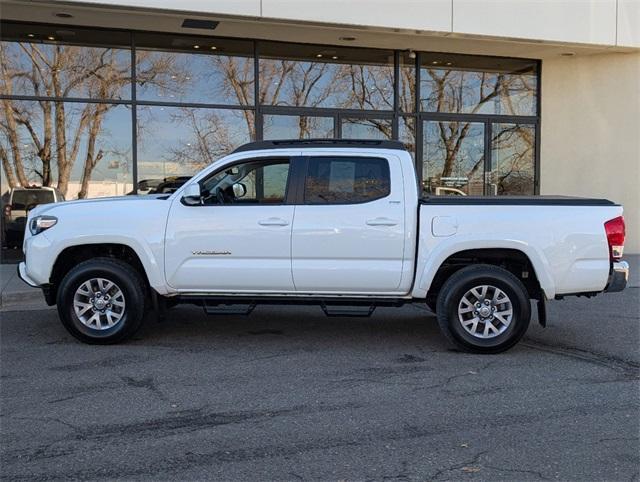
(451,296)
(132,286)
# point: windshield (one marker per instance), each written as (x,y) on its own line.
(23,198)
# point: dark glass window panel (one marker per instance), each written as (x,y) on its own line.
(453,158)
(89,157)
(56,69)
(194,70)
(512,159)
(297,127)
(174,143)
(323,76)
(344,180)
(477,85)
(407,84)
(367,128)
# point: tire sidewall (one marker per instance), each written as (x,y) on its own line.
(111,271)
(448,308)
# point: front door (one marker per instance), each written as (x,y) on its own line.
(239,238)
(348,232)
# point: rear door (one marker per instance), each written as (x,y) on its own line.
(349,225)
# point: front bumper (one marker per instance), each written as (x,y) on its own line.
(618,277)
(22,273)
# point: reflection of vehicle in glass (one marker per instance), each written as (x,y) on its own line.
(160,186)
(337,223)
(449,191)
(20,201)
(147,185)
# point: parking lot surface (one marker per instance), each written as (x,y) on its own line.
(288,394)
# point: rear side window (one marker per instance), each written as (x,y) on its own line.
(346,180)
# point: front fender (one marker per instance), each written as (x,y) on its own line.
(429,264)
(42,253)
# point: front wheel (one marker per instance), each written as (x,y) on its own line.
(102,301)
(483,309)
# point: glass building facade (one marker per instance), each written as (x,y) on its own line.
(101,113)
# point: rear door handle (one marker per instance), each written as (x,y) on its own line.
(273,222)
(382,222)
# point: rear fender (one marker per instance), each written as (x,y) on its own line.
(428,266)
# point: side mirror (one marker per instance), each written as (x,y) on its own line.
(192,195)
(239,190)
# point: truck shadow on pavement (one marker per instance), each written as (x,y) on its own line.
(387,326)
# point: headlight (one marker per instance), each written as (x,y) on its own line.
(41,223)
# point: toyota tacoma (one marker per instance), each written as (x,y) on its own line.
(336,223)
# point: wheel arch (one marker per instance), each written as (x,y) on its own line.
(445,260)
(73,254)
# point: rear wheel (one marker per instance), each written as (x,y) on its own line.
(102,301)
(483,309)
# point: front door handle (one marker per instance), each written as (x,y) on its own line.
(273,222)
(382,222)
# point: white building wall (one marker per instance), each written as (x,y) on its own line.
(433,15)
(591,131)
(596,22)
(250,8)
(579,21)
(628,34)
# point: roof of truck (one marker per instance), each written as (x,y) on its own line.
(309,143)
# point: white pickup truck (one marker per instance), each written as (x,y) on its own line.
(334,223)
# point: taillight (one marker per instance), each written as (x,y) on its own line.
(615,230)
(7,210)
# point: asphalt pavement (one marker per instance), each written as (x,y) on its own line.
(287,394)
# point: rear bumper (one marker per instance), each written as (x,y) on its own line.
(618,277)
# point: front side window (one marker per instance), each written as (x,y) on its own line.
(252,182)
(346,180)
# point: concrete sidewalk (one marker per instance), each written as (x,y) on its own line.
(16,293)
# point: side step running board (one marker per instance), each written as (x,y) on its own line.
(347,310)
(244,305)
(227,309)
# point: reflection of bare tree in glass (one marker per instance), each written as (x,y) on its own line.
(298,84)
(371,88)
(470,93)
(238,81)
(513,148)
(282,82)
(460,143)
(209,141)
(451,93)
(59,71)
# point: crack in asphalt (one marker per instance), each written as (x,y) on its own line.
(148,383)
(457,466)
(630,368)
(181,422)
(192,420)
(109,362)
